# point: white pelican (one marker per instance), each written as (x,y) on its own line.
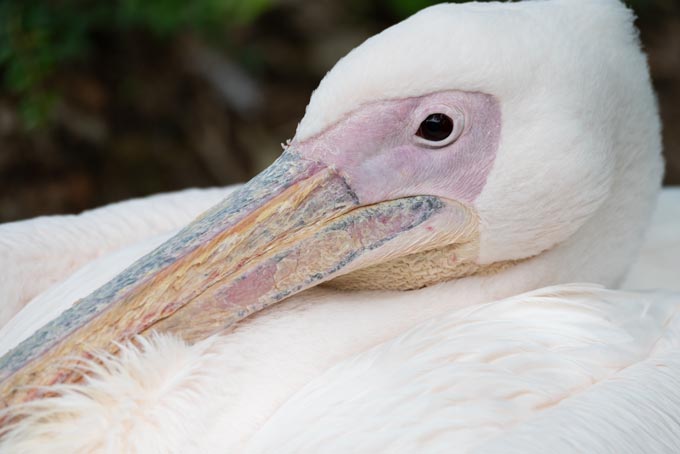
(470,153)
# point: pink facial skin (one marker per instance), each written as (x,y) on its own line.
(376,148)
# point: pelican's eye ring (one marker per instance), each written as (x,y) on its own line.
(436,127)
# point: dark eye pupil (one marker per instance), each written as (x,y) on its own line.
(436,127)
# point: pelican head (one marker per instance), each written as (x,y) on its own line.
(515,141)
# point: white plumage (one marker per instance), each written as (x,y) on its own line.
(575,366)
(452,367)
(41,252)
(658,265)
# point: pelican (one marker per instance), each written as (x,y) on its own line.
(422,270)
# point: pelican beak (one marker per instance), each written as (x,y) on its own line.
(295,225)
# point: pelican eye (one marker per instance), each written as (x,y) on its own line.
(436,127)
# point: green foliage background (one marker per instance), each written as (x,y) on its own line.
(38,36)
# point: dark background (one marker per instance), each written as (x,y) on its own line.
(103,100)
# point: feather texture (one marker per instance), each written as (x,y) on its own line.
(37,253)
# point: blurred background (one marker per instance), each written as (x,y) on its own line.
(107,100)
